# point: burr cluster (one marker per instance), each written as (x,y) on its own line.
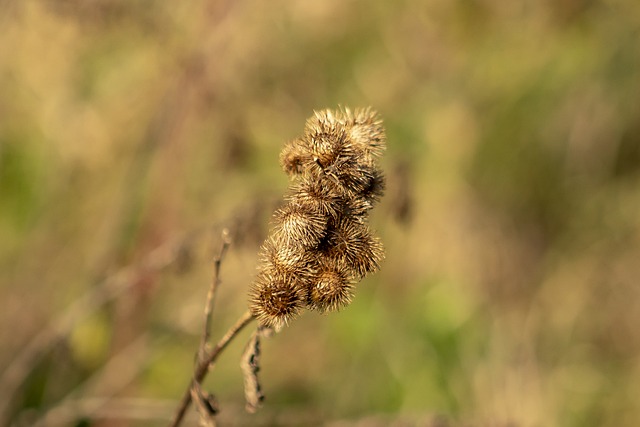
(320,244)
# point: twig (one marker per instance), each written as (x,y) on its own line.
(202,367)
(250,365)
(206,405)
(211,295)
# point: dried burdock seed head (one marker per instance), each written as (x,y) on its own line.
(325,147)
(357,208)
(365,131)
(299,224)
(276,298)
(315,190)
(317,149)
(320,244)
(327,137)
(358,205)
(332,290)
(350,246)
(353,177)
(375,187)
(294,156)
(279,257)
(323,121)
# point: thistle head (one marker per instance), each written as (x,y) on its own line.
(331,289)
(320,244)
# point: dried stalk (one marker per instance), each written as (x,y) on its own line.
(202,368)
(250,365)
(211,295)
(319,248)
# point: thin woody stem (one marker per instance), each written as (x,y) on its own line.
(202,369)
(211,295)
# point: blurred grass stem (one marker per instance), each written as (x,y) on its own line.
(110,288)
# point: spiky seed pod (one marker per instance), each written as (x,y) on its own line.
(275,298)
(332,289)
(321,243)
(353,177)
(318,148)
(340,140)
(350,246)
(279,257)
(325,146)
(328,135)
(315,190)
(375,187)
(294,156)
(299,223)
(366,132)
(358,206)
(323,121)
(357,209)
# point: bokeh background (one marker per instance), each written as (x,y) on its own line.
(133,132)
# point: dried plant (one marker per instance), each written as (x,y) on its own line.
(321,244)
(319,247)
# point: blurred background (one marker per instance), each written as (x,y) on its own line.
(133,132)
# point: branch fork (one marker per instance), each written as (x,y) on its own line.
(207,354)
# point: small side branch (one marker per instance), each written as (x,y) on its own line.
(211,295)
(206,356)
(202,368)
(250,365)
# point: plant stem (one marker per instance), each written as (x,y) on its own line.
(202,368)
(211,295)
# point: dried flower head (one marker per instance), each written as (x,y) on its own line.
(279,257)
(294,156)
(299,223)
(313,190)
(276,297)
(321,244)
(331,290)
(349,246)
